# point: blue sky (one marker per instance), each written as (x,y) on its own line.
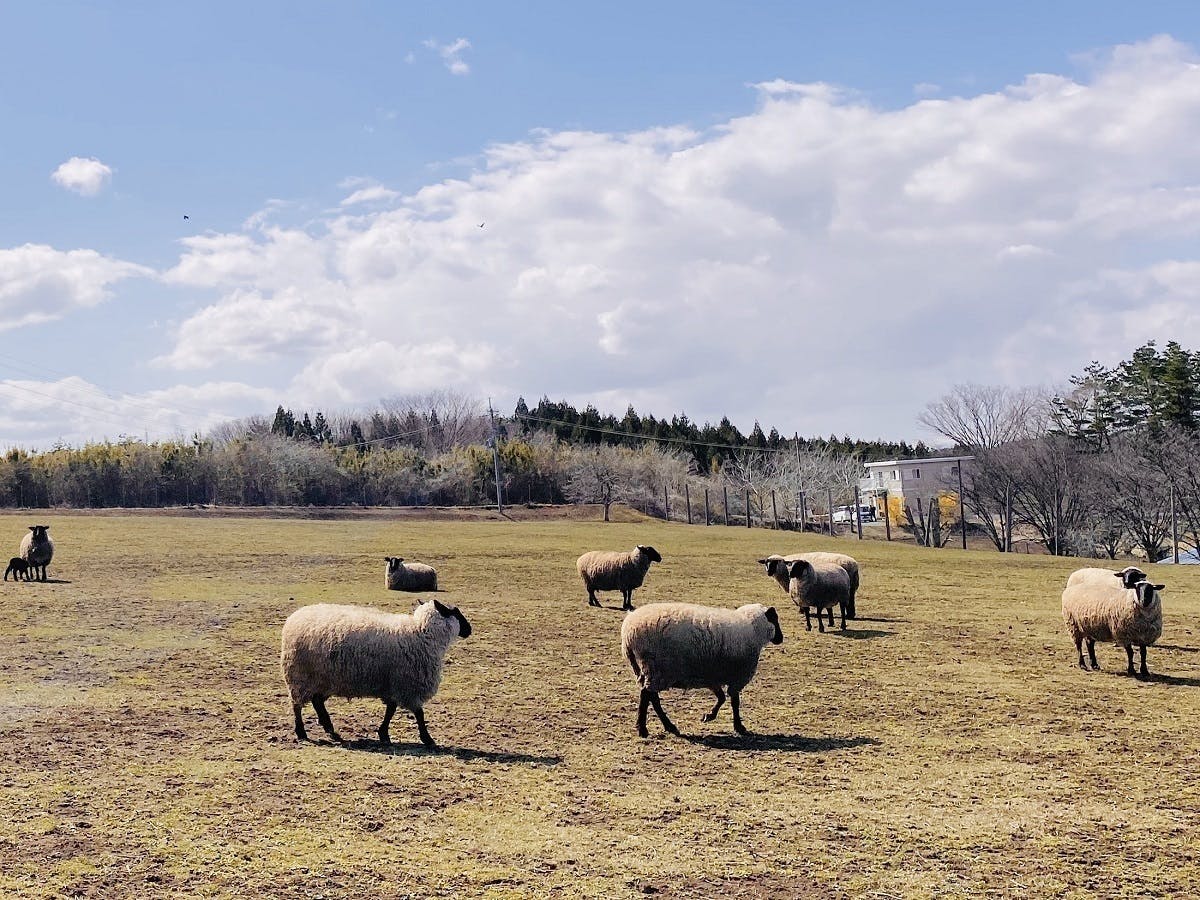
(674,214)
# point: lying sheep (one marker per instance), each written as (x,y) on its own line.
(19,569)
(357,651)
(616,570)
(776,568)
(820,586)
(37,550)
(682,645)
(1106,611)
(402,576)
(1130,575)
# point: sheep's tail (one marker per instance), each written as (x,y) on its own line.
(633,664)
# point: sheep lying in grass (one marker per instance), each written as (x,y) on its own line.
(19,569)
(402,576)
(357,651)
(776,567)
(616,570)
(1130,575)
(37,550)
(682,645)
(1106,611)
(820,586)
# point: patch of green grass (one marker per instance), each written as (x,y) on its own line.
(945,745)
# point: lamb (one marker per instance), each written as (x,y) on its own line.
(401,576)
(328,650)
(1130,575)
(682,645)
(37,550)
(616,570)
(19,569)
(1105,611)
(821,586)
(849,563)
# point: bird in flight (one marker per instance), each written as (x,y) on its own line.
(185,217)
(481,224)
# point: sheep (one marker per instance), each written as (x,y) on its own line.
(37,549)
(402,576)
(1129,576)
(328,650)
(19,569)
(616,570)
(682,645)
(821,586)
(1101,611)
(849,563)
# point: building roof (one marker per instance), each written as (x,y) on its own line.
(912,462)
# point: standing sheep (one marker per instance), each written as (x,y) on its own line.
(820,586)
(357,651)
(37,549)
(780,573)
(616,570)
(1106,611)
(401,576)
(1130,575)
(682,645)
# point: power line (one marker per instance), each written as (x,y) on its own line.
(648,437)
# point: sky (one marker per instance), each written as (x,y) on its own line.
(816,218)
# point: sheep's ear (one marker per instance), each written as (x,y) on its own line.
(772,616)
(1159,587)
(441,608)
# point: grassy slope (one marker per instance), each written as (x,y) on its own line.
(944,746)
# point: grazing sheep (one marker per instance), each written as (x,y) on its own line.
(820,586)
(849,563)
(682,645)
(1105,611)
(19,569)
(402,576)
(616,570)
(357,651)
(37,549)
(1130,575)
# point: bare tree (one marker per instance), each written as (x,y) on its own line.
(597,475)
(978,416)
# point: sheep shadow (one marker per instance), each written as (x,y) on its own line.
(1178,680)
(785,743)
(1177,648)
(466,754)
(863,634)
(880,619)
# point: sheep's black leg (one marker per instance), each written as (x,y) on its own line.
(301,734)
(712,713)
(643,706)
(419,715)
(808,620)
(626,600)
(831,617)
(1079,650)
(821,619)
(842,607)
(852,611)
(662,716)
(323,717)
(1142,650)
(592,601)
(388,711)
(1092,654)
(1129,653)
(735,701)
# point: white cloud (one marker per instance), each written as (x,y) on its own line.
(926,89)
(451,54)
(816,263)
(41,284)
(375,193)
(87,176)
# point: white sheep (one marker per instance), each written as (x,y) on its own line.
(1106,611)
(849,563)
(329,650)
(1130,575)
(37,549)
(820,586)
(616,570)
(402,576)
(682,645)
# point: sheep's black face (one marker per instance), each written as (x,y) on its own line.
(453,612)
(773,618)
(1130,576)
(393,562)
(798,568)
(1147,593)
(650,552)
(39,533)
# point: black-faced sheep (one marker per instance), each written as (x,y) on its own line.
(616,570)
(37,549)
(777,568)
(1106,611)
(19,569)
(821,586)
(402,576)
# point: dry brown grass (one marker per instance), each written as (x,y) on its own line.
(944,746)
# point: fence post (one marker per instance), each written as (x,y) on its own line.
(924,536)
(858,510)
(725,492)
(887,516)
(687,499)
(1008,519)
(962,516)
(666,504)
(1174,528)
(829,498)
(747,508)
(803,512)
(774,510)
(707,519)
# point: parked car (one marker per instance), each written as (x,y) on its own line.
(844,515)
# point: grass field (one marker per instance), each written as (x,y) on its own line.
(945,745)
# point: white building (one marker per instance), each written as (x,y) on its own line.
(912,478)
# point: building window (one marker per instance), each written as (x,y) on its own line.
(954,470)
(916,473)
(895,474)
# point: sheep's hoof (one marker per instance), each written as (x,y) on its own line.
(708,717)
(743,731)
(643,732)
(385,740)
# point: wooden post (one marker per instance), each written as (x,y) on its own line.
(1174,528)
(803,512)
(774,511)
(666,504)
(829,498)
(924,538)
(887,516)
(1008,519)
(747,508)
(687,499)
(858,510)
(962,516)
(725,492)
(707,519)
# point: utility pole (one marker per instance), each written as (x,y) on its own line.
(962,516)
(496,456)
